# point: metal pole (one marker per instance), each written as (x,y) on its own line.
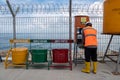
(14,19)
(107,47)
(70,29)
(14,30)
(0,58)
(116,72)
(9,6)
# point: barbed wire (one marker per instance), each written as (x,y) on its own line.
(56,8)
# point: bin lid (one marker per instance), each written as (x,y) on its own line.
(20,49)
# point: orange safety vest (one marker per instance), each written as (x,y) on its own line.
(90,36)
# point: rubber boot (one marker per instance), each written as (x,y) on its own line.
(95,67)
(87,68)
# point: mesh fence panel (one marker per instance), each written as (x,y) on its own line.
(51,21)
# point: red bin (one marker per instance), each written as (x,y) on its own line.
(60,55)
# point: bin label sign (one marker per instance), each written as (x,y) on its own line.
(19,41)
(39,41)
(62,41)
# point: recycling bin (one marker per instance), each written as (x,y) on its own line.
(60,55)
(39,55)
(19,55)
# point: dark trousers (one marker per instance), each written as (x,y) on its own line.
(90,54)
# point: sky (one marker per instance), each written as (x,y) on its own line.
(48,1)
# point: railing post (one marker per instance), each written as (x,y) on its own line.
(116,72)
(14,19)
(70,30)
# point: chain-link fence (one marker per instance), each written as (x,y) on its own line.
(51,21)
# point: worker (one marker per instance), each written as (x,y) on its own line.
(89,35)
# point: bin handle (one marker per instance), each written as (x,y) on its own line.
(6,60)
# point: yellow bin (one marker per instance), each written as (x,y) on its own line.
(19,55)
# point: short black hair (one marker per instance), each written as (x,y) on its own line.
(88,24)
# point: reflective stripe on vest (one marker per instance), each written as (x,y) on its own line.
(90,36)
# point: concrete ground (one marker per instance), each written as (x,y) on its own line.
(103,73)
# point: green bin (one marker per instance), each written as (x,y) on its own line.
(39,55)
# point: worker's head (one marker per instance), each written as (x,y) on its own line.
(88,24)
